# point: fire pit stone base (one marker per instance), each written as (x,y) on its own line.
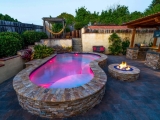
(124,75)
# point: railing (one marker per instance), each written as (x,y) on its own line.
(7,26)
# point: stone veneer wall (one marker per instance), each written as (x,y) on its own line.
(153,60)
(132,53)
(61,109)
(60,103)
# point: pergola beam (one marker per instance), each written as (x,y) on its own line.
(157,19)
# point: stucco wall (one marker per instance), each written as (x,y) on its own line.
(60,42)
(91,39)
(11,67)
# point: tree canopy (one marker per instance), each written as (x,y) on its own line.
(7,18)
(68,17)
(154,3)
(115,15)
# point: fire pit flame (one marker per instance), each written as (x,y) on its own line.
(123,66)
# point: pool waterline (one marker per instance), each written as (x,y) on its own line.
(64,71)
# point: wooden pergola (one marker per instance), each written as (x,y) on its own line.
(51,20)
(151,21)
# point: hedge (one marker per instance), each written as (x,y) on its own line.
(13,34)
(30,37)
(9,46)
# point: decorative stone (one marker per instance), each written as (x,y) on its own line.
(57,102)
(153,60)
(124,75)
(132,53)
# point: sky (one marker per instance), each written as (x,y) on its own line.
(32,11)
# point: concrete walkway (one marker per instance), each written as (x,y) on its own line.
(138,100)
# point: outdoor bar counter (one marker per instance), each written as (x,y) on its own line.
(153,59)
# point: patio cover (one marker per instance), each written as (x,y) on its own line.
(151,21)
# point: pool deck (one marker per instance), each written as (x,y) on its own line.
(122,101)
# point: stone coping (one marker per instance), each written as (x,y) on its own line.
(133,48)
(153,52)
(134,71)
(24,87)
(8,58)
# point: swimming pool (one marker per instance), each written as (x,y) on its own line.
(41,93)
(64,71)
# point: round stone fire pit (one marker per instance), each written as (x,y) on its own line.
(124,75)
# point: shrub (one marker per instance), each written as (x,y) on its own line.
(125,45)
(9,46)
(43,35)
(69,49)
(27,54)
(42,51)
(13,34)
(30,37)
(116,44)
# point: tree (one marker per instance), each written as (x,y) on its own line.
(135,15)
(154,3)
(94,17)
(68,17)
(115,15)
(7,18)
(82,16)
(152,10)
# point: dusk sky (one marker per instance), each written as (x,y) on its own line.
(32,11)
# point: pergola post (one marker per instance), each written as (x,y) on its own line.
(155,40)
(133,36)
(63,30)
(44,24)
(49,28)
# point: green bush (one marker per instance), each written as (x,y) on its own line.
(13,34)
(116,44)
(9,46)
(125,45)
(42,35)
(42,51)
(30,37)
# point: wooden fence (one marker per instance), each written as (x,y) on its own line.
(72,34)
(7,26)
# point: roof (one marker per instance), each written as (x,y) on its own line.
(150,21)
(108,27)
(50,19)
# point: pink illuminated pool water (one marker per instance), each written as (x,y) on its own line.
(64,71)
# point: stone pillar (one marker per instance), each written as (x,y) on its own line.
(153,60)
(132,53)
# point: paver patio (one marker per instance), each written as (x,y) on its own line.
(122,101)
